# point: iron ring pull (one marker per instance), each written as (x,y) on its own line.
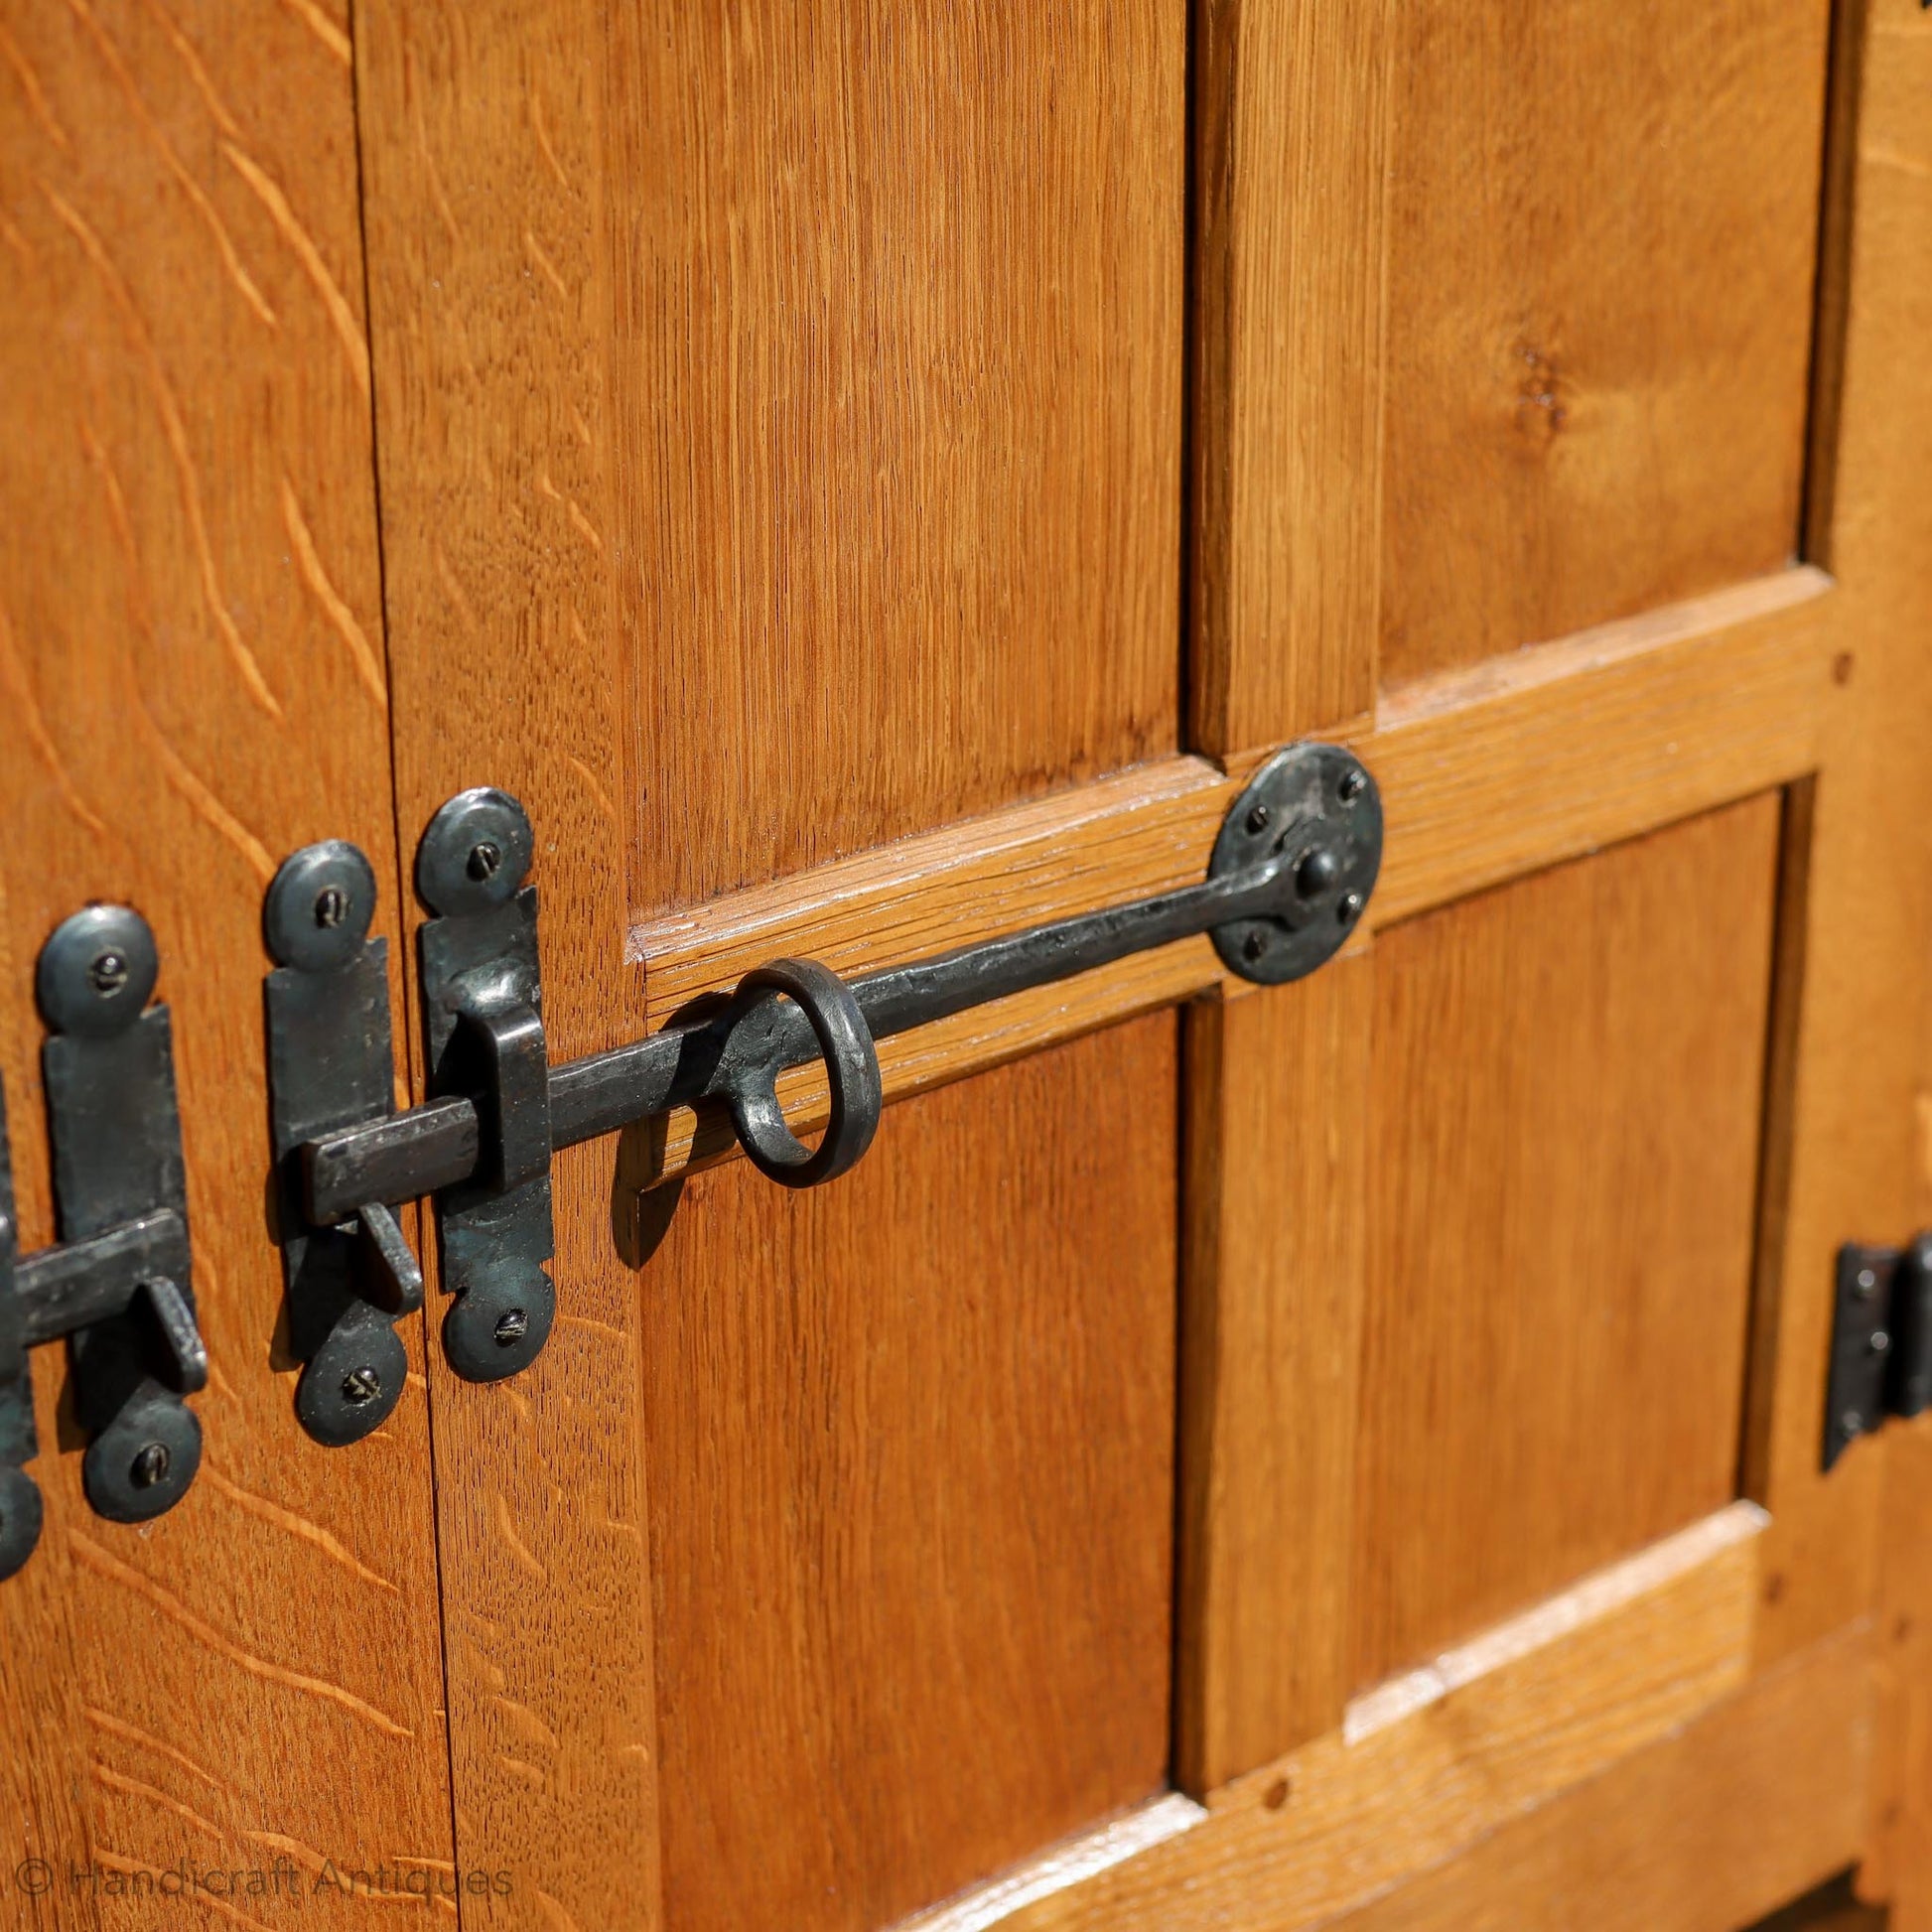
(845,1043)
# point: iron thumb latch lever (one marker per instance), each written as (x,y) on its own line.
(1291,872)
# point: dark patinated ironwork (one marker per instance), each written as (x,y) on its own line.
(1881,1340)
(1289,879)
(118,1287)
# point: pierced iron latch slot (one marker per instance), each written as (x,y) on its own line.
(1291,872)
(1881,1340)
(118,1285)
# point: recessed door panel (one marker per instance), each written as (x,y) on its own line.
(1567,1095)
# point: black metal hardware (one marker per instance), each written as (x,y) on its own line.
(1291,872)
(329,1067)
(1881,1340)
(118,1285)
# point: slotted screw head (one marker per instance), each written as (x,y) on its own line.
(361,1385)
(1258,818)
(332,908)
(1349,908)
(485,857)
(108,973)
(1351,785)
(512,1328)
(1253,946)
(150,1465)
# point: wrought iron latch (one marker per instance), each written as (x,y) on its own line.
(1881,1340)
(117,1283)
(1291,872)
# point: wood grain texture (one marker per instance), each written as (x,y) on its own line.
(1753,1802)
(1439,1762)
(912,1445)
(499,392)
(902,296)
(1291,112)
(1489,773)
(1864,951)
(1602,235)
(1486,775)
(191,683)
(1271,1299)
(1566,1095)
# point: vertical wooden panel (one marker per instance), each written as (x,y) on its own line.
(1271,1326)
(1871,867)
(1603,228)
(1566,1102)
(489,262)
(191,683)
(1291,112)
(1291,109)
(1868,897)
(906,283)
(911,1442)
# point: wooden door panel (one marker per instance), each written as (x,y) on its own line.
(191,683)
(1603,232)
(901,305)
(1566,1095)
(911,1528)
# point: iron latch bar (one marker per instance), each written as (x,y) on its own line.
(1291,872)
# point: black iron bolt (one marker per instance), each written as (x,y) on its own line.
(108,974)
(1317,873)
(485,858)
(1349,908)
(512,1328)
(331,907)
(1351,785)
(361,1385)
(1258,818)
(1253,945)
(150,1465)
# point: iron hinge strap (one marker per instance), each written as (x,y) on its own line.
(1881,1340)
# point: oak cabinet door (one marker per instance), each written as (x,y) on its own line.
(872,479)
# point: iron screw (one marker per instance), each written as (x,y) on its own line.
(1253,945)
(1351,785)
(1866,1281)
(485,858)
(1349,908)
(361,1385)
(1880,1341)
(512,1328)
(1317,873)
(331,907)
(150,1465)
(108,974)
(1852,1423)
(1258,818)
